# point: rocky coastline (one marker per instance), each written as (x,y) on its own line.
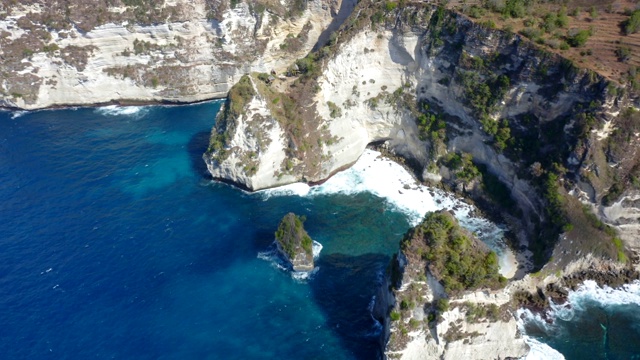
(402,61)
(540,153)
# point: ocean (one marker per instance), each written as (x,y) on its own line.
(117,244)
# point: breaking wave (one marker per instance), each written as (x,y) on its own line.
(389,180)
(272,256)
(580,303)
(17,114)
(117,110)
(541,351)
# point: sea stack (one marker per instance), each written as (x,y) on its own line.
(294,243)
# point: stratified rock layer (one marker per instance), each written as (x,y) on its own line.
(180,51)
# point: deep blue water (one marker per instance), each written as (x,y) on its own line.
(114,243)
(597,323)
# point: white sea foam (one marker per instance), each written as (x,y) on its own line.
(316,248)
(304,275)
(373,174)
(589,293)
(273,256)
(538,350)
(116,110)
(390,181)
(17,114)
(606,296)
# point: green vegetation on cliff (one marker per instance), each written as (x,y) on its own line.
(237,99)
(291,236)
(632,25)
(458,260)
(239,96)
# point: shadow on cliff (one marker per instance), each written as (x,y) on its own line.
(346,8)
(197,146)
(344,289)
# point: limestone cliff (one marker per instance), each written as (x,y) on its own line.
(435,86)
(330,120)
(431,309)
(294,243)
(248,143)
(550,147)
(82,52)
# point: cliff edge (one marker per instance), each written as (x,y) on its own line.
(84,53)
(529,135)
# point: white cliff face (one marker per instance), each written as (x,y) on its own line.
(456,336)
(355,106)
(256,150)
(483,340)
(180,61)
(359,80)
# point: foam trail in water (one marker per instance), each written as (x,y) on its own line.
(116,110)
(389,180)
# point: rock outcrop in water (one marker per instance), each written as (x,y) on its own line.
(294,243)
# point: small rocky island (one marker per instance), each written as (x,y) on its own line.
(294,243)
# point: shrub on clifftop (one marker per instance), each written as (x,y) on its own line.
(457,259)
(240,95)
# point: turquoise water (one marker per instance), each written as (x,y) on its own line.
(116,244)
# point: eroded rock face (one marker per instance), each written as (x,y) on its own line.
(624,214)
(248,144)
(376,79)
(181,51)
(294,243)
(327,131)
(428,316)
